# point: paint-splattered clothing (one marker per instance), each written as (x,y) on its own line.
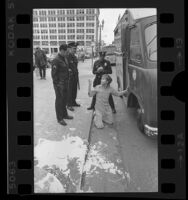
(103,110)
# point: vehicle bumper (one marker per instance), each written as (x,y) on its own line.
(150,131)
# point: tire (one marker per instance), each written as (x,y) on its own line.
(140,121)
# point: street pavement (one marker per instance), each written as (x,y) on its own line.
(82,158)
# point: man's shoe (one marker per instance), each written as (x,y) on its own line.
(90,108)
(70,108)
(44,78)
(76,104)
(68,117)
(114,110)
(62,122)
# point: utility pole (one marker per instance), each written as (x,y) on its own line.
(101,26)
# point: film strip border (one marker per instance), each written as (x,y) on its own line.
(171,140)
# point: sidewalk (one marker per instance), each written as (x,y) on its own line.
(60,151)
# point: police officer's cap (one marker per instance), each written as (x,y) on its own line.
(63,46)
(102,53)
(73,44)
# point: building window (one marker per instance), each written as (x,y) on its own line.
(60,12)
(35,25)
(70,18)
(44,31)
(51,12)
(61,31)
(80,37)
(88,43)
(43,25)
(44,37)
(89,30)
(80,11)
(36,43)
(35,12)
(70,31)
(70,25)
(35,19)
(36,37)
(53,37)
(90,37)
(90,18)
(61,24)
(80,30)
(62,37)
(52,25)
(53,43)
(51,19)
(90,11)
(71,37)
(80,24)
(80,18)
(61,18)
(70,12)
(90,24)
(53,31)
(62,42)
(43,19)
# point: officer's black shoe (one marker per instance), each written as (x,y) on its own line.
(90,108)
(68,117)
(44,78)
(62,122)
(114,110)
(76,104)
(70,108)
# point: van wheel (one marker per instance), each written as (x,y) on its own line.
(140,121)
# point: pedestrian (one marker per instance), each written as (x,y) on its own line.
(60,76)
(103,112)
(101,66)
(74,78)
(41,62)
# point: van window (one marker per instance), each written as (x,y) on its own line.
(135,46)
(151,41)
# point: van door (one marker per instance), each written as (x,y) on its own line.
(136,64)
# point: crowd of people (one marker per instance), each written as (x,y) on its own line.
(65,76)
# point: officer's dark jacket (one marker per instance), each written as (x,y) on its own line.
(106,67)
(106,70)
(73,63)
(60,70)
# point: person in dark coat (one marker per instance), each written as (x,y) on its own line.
(101,66)
(60,77)
(74,78)
(41,62)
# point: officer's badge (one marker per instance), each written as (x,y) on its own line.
(105,64)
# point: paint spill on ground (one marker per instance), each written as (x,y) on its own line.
(62,159)
(98,163)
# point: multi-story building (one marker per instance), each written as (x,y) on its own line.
(52,27)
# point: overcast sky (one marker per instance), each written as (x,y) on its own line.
(110,17)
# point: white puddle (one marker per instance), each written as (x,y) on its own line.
(96,160)
(60,157)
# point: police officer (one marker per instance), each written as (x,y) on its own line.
(74,79)
(101,66)
(60,76)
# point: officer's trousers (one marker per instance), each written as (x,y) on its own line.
(61,101)
(74,89)
(70,91)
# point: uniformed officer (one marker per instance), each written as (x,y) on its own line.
(101,66)
(60,76)
(74,79)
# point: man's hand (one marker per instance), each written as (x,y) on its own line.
(100,69)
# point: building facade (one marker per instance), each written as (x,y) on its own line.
(52,27)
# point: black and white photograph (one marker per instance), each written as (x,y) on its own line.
(95,100)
